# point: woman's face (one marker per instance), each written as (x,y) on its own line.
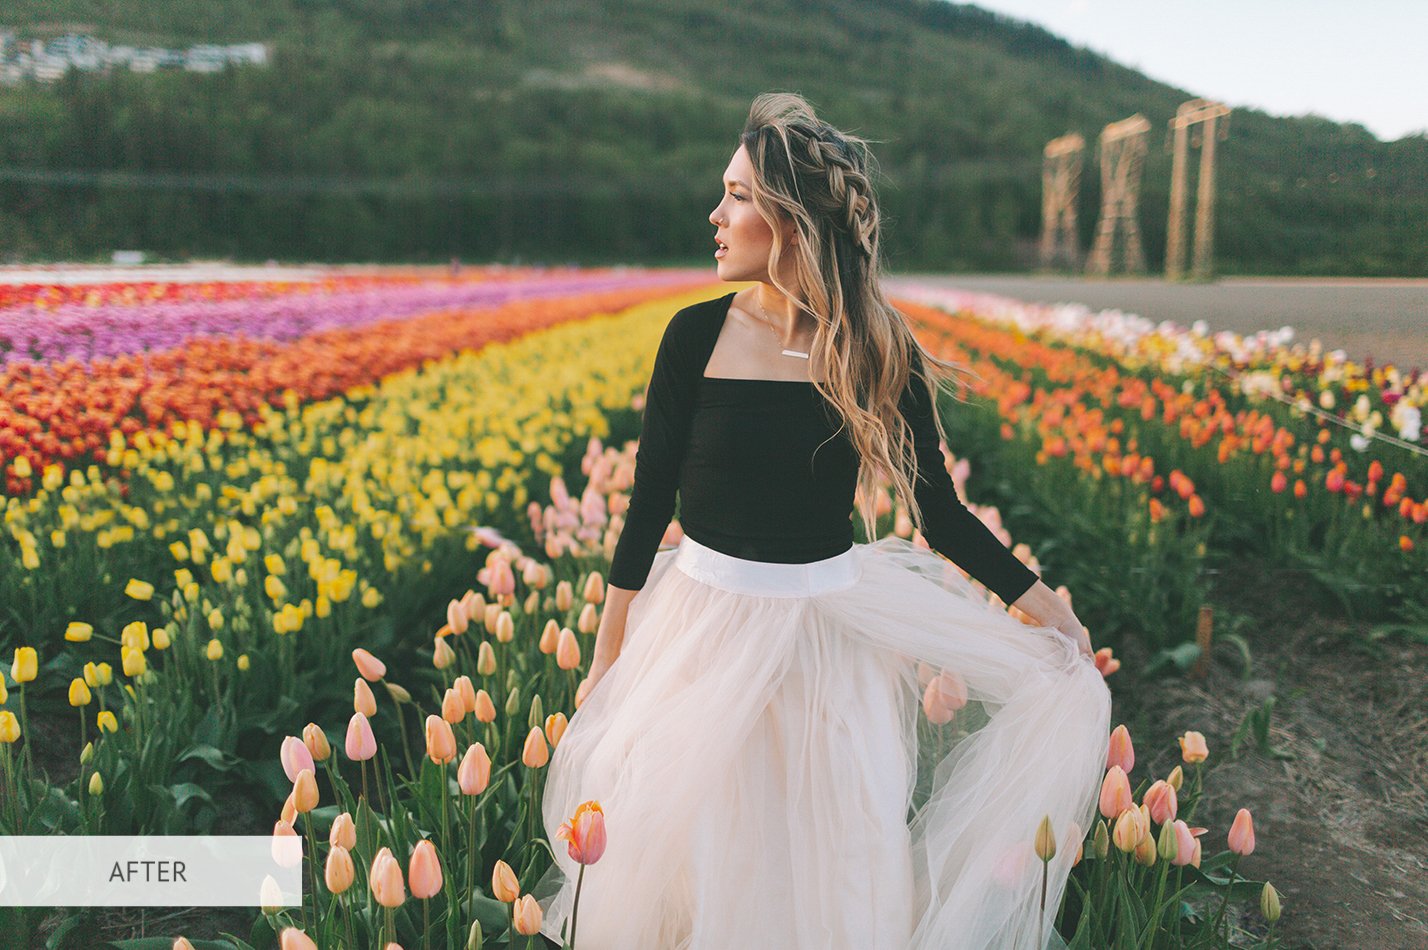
(741,228)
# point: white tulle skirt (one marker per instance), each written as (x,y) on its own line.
(770,777)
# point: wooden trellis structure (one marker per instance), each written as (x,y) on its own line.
(1060,185)
(1195,125)
(1122,147)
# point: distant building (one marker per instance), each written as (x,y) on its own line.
(46,61)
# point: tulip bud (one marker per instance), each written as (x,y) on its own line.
(589,620)
(294,939)
(362,699)
(555,728)
(286,846)
(505,627)
(474,937)
(1045,840)
(339,871)
(526,914)
(537,715)
(535,754)
(182,943)
(368,665)
(594,588)
(295,757)
(1176,778)
(305,792)
(424,871)
(443,656)
(485,659)
(564,596)
(513,701)
(1241,836)
(1101,841)
(505,887)
(86,753)
(1120,751)
(485,708)
(399,694)
(78,632)
(473,775)
(78,692)
(133,661)
(386,880)
(361,743)
(453,710)
(214,651)
(1269,903)
(440,740)
(26,665)
(315,741)
(96,784)
(466,690)
(567,650)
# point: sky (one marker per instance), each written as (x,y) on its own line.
(1351,62)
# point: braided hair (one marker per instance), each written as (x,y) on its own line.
(821,178)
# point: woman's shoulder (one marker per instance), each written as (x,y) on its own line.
(697,324)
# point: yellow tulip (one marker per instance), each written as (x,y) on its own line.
(106,722)
(78,632)
(26,665)
(96,784)
(9,727)
(161,638)
(139,590)
(105,673)
(243,662)
(78,692)
(133,661)
(214,651)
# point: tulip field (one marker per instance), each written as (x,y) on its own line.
(325,558)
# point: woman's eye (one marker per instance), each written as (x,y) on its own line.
(736,197)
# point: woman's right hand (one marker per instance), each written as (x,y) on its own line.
(609,637)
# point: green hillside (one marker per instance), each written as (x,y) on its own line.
(595,131)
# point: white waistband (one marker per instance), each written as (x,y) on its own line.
(766,578)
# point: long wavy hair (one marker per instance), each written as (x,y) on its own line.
(807,171)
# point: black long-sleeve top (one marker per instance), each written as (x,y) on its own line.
(763,473)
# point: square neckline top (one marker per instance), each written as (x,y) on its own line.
(740,379)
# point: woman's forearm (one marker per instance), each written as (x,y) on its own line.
(1043,605)
(610,636)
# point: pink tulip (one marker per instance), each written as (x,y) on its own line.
(1120,751)
(361,743)
(585,832)
(474,773)
(945,694)
(368,665)
(1185,842)
(424,871)
(1193,748)
(1116,794)
(1241,837)
(295,757)
(1162,801)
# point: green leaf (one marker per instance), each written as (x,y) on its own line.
(209,755)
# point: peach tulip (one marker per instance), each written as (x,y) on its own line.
(440,740)
(386,880)
(1128,830)
(315,740)
(368,666)
(1162,801)
(486,658)
(564,596)
(1120,751)
(567,650)
(1192,747)
(505,887)
(1241,836)
(474,773)
(453,710)
(295,757)
(585,832)
(305,792)
(1106,662)
(1116,794)
(555,725)
(527,915)
(535,754)
(424,871)
(945,694)
(339,871)
(594,588)
(290,811)
(549,637)
(344,832)
(443,656)
(287,849)
(182,943)
(485,707)
(294,939)
(467,691)
(361,743)
(456,617)
(362,699)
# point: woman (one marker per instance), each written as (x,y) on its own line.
(799,741)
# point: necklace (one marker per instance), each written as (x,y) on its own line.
(785,351)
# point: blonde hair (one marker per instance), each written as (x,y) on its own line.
(820,178)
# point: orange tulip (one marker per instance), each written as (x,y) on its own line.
(585,832)
(1241,837)
(424,871)
(555,725)
(1192,747)
(505,887)
(369,666)
(361,743)
(1162,801)
(305,792)
(339,871)
(526,913)
(386,880)
(1121,751)
(594,588)
(1116,794)
(440,740)
(316,742)
(535,754)
(474,773)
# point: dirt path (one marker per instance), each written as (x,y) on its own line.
(1341,827)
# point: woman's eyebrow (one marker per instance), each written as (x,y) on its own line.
(735,181)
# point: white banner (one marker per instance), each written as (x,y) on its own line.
(150,871)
